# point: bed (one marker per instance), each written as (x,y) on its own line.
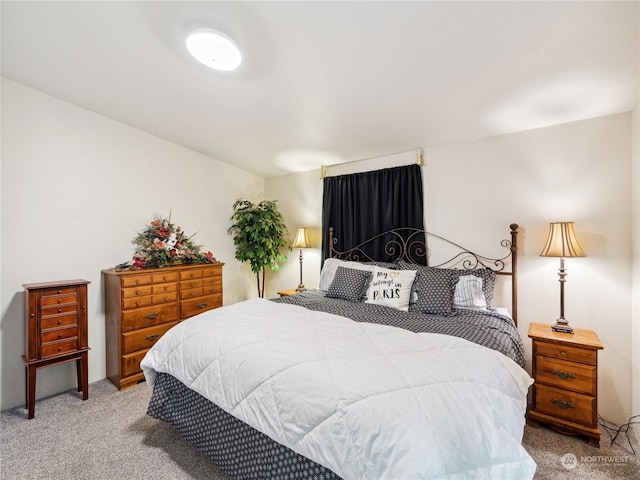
(387,370)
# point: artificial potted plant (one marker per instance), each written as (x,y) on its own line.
(259,234)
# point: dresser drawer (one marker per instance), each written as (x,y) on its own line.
(144,338)
(59,334)
(136,280)
(165,288)
(191,274)
(164,298)
(188,294)
(58,348)
(568,375)
(164,277)
(572,406)
(212,289)
(149,316)
(136,302)
(130,363)
(212,280)
(188,284)
(58,321)
(189,308)
(139,291)
(565,352)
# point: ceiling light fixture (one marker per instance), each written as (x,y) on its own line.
(215,50)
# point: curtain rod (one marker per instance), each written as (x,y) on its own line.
(419,161)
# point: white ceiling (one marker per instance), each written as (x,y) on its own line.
(328,82)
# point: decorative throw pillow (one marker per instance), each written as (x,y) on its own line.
(433,291)
(391,288)
(349,284)
(488,277)
(469,294)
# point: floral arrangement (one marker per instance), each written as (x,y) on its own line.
(162,244)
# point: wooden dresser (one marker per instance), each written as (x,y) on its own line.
(55,331)
(141,305)
(565,391)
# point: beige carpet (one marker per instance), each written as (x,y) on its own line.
(109,436)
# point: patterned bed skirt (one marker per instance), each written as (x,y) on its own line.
(238,449)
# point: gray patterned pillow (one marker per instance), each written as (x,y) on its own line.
(433,288)
(349,284)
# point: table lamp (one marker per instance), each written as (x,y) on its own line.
(562,243)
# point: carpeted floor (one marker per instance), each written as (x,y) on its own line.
(109,436)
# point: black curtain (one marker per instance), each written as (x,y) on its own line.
(362,205)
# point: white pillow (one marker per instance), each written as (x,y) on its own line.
(469,294)
(330,267)
(391,288)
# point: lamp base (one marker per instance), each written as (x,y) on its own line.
(301,288)
(562,327)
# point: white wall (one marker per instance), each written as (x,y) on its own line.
(575,172)
(75,188)
(635,330)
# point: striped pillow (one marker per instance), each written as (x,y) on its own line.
(469,294)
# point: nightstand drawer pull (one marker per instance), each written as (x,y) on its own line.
(564,354)
(151,338)
(152,316)
(562,374)
(562,404)
(203,305)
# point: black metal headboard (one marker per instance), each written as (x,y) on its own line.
(411,245)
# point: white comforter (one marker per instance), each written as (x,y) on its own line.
(366,401)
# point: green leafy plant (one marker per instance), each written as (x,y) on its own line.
(260,235)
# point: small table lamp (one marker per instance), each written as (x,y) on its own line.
(562,243)
(301,241)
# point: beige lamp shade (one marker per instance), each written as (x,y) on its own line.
(562,242)
(301,240)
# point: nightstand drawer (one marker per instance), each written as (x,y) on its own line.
(565,352)
(566,405)
(568,375)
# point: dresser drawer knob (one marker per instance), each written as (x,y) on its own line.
(203,305)
(152,316)
(138,292)
(562,404)
(59,335)
(59,310)
(137,281)
(59,292)
(563,375)
(165,278)
(59,322)
(166,299)
(563,354)
(153,337)
(59,348)
(137,303)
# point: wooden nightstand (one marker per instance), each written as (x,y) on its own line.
(288,293)
(565,391)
